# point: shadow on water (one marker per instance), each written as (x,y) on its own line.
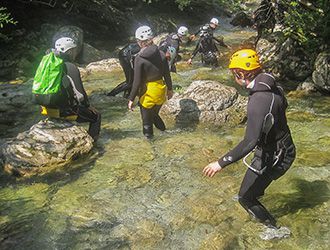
(73,235)
(308,195)
(188,116)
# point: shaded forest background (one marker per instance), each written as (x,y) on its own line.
(26,26)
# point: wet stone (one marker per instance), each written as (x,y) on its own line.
(45,146)
(275,233)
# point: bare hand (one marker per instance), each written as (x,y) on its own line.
(211,169)
(130,105)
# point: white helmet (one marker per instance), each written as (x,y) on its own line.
(144,33)
(214,21)
(183,31)
(64,44)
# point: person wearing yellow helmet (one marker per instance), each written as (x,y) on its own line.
(267,135)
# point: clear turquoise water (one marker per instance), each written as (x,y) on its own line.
(130,193)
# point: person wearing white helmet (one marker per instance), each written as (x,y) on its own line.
(75,100)
(207,44)
(171,46)
(126,58)
(214,23)
(152,81)
(211,26)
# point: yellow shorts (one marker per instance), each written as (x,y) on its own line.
(155,94)
(55,113)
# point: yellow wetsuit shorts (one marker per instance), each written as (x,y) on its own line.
(154,95)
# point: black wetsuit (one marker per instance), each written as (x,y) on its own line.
(173,41)
(150,65)
(126,59)
(275,146)
(78,103)
(206,45)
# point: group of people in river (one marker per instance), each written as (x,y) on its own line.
(147,70)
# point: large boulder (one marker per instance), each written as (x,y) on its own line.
(321,74)
(284,57)
(207,102)
(90,54)
(45,146)
(242,19)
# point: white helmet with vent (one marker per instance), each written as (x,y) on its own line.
(64,44)
(183,31)
(144,33)
(214,21)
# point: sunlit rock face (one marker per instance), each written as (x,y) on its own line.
(207,102)
(47,145)
(284,57)
(321,74)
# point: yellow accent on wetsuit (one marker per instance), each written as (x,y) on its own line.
(55,113)
(155,94)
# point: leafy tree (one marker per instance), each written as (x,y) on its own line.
(307,21)
(5,17)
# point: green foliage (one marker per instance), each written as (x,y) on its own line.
(5,17)
(305,21)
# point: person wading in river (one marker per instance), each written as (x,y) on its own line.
(267,134)
(152,81)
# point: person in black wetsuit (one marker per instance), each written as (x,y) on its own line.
(152,81)
(207,44)
(208,27)
(126,59)
(171,46)
(267,133)
(77,101)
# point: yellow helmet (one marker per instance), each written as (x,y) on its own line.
(246,59)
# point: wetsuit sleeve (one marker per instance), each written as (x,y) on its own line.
(138,78)
(256,112)
(74,73)
(197,48)
(166,72)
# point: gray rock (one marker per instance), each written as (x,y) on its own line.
(275,233)
(284,58)
(91,54)
(321,74)
(47,144)
(307,85)
(207,102)
(242,19)
(106,65)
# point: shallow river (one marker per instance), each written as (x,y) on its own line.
(130,193)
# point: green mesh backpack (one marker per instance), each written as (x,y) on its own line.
(47,84)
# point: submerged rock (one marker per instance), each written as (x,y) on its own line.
(207,102)
(275,233)
(48,144)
